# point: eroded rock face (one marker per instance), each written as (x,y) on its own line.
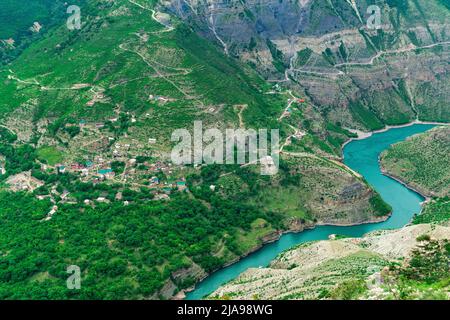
(239,21)
(388,75)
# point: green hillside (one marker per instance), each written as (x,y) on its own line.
(18,16)
(86,118)
(438,210)
(76,107)
(422,161)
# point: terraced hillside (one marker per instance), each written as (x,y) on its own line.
(422,161)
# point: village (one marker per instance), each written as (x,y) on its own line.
(158,177)
(117,164)
(100,154)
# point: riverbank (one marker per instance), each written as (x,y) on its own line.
(364,135)
(372,221)
(277,234)
(404,201)
(422,204)
(398,179)
(181,295)
(318,270)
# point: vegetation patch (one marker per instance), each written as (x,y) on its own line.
(50,155)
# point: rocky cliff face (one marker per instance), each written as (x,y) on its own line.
(355,72)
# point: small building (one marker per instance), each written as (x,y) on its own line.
(154,181)
(167,190)
(162,197)
(77,166)
(106,174)
(181,185)
(104,171)
(102,200)
(51,213)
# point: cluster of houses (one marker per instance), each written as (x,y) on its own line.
(166,186)
(102,172)
(159,166)
(98,96)
(120,150)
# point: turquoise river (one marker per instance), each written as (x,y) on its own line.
(361,156)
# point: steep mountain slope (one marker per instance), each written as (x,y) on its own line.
(22,22)
(324,50)
(422,161)
(118,55)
